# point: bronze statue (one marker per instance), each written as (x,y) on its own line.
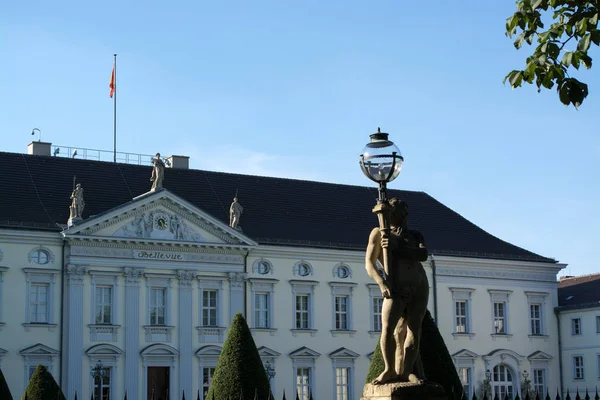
(405,295)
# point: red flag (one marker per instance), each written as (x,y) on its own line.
(111,85)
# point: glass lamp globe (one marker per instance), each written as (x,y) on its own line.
(381,161)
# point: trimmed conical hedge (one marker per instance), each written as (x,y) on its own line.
(437,362)
(4,391)
(240,369)
(42,386)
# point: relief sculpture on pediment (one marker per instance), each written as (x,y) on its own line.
(159,224)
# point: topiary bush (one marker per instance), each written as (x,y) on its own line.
(42,386)
(437,362)
(240,371)
(4,391)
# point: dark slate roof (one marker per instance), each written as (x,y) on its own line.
(579,291)
(36,190)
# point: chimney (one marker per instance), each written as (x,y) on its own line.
(39,149)
(179,162)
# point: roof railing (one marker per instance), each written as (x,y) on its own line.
(101,155)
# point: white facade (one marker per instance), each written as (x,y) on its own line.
(580,350)
(150,288)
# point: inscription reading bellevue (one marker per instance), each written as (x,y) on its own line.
(158,255)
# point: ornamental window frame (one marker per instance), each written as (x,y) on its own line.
(44,276)
(158,333)
(338,290)
(258,263)
(498,296)
(374,295)
(304,358)
(539,299)
(343,358)
(2,271)
(338,268)
(35,355)
(108,355)
(31,257)
(462,295)
(208,357)
(211,333)
(104,331)
(466,359)
(304,288)
(576,328)
(575,367)
(263,286)
(298,269)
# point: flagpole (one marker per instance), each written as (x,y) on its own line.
(115,110)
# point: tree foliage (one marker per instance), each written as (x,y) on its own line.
(240,371)
(437,362)
(4,391)
(564,44)
(42,386)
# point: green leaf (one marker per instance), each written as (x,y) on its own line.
(536,4)
(594,19)
(586,61)
(596,37)
(519,40)
(567,58)
(548,83)
(529,36)
(581,26)
(516,79)
(563,93)
(553,50)
(584,43)
(575,59)
(511,24)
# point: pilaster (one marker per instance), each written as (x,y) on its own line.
(132,330)
(236,293)
(74,305)
(185,331)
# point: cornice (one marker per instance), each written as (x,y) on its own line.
(339,256)
(450,261)
(150,245)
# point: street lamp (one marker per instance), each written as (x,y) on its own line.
(487,386)
(525,387)
(98,372)
(381,162)
(270,371)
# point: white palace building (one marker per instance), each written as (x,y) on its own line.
(145,286)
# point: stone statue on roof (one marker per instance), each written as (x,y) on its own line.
(405,290)
(77,205)
(235,212)
(158,173)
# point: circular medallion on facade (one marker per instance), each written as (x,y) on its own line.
(161,222)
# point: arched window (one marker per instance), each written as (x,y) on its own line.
(502,382)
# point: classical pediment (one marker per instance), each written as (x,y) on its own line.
(159,217)
(464,353)
(539,356)
(38,350)
(264,351)
(304,352)
(343,352)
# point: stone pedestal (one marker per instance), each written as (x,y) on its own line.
(404,391)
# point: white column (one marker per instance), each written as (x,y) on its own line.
(132,331)
(185,333)
(74,342)
(236,294)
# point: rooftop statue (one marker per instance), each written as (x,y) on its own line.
(235,212)
(77,205)
(158,173)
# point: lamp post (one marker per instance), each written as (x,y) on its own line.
(98,372)
(270,371)
(487,385)
(381,162)
(525,387)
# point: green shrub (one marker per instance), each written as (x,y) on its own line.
(240,369)
(42,386)
(4,391)
(437,362)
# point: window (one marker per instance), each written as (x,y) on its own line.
(302,311)
(34,356)
(535,319)
(342,271)
(261,310)
(302,268)
(377,305)
(207,375)
(342,307)
(209,308)
(499,317)
(598,365)
(465,379)
(40,257)
(461,316)
(102,384)
(598,324)
(104,295)
(539,381)
(262,267)
(303,381)
(2,269)
(502,382)
(578,367)
(263,293)
(157,306)
(461,298)
(576,326)
(38,303)
(341,383)
(39,308)
(341,313)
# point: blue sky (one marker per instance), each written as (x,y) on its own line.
(294,89)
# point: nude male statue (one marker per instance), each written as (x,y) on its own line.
(405,296)
(235,212)
(158,173)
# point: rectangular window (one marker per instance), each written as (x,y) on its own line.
(598,366)
(303,383)
(261,312)
(499,317)
(377,306)
(341,383)
(102,384)
(539,381)
(341,312)
(302,311)
(209,308)
(207,374)
(576,326)
(465,379)
(535,318)
(598,324)
(157,306)
(577,367)
(461,316)
(104,304)
(38,303)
